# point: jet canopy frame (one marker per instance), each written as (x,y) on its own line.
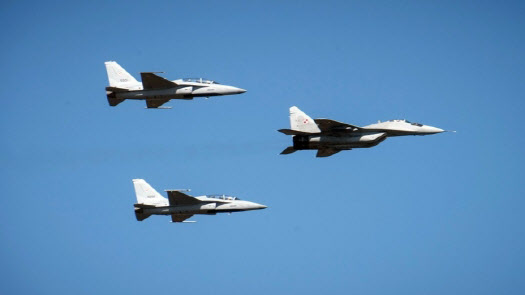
(223,197)
(200,80)
(406,121)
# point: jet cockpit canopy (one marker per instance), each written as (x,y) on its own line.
(223,197)
(199,80)
(406,121)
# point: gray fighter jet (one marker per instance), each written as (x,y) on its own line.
(156,90)
(182,206)
(330,137)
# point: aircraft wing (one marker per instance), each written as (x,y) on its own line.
(155,103)
(151,81)
(180,217)
(177,198)
(294,132)
(331,125)
(116,89)
(327,152)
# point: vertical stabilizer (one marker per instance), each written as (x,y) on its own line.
(147,195)
(140,215)
(300,121)
(118,77)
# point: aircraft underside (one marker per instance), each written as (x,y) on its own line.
(152,101)
(162,96)
(329,137)
(210,209)
(337,142)
(143,213)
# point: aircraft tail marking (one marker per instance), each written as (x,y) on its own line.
(118,77)
(147,195)
(299,121)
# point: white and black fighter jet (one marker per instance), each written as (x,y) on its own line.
(330,137)
(156,90)
(182,206)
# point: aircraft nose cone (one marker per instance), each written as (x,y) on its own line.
(233,90)
(260,206)
(436,130)
(431,130)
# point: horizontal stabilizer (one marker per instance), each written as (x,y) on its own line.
(288,150)
(112,97)
(113,101)
(139,214)
(142,206)
(294,132)
(116,89)
(151,81)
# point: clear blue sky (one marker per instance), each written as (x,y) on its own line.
(440,214)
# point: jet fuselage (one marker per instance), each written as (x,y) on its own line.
(365,137)
(182,206)
(156,90)
(329,137)
(350,141)
(184,90)
(207,206)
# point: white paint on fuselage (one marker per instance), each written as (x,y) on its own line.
(402,127)
(208,206)
(348,141)
(330,136)
(368,136)
(183,90)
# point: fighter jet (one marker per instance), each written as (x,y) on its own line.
(157,90)
(329,137)
(182,206)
